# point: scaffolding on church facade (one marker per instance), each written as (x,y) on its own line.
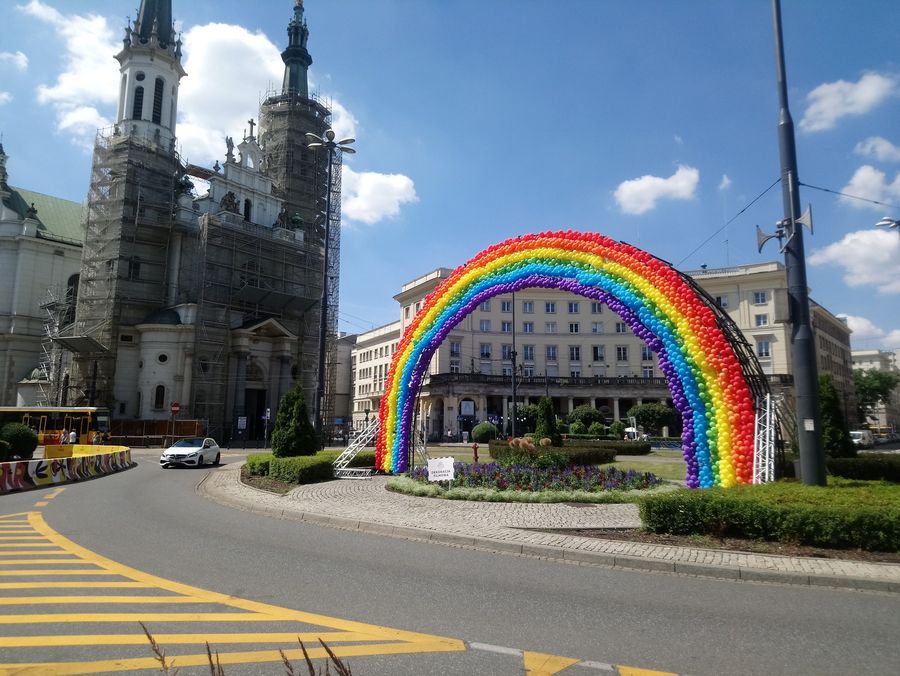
(128,226)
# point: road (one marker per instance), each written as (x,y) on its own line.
(251,584)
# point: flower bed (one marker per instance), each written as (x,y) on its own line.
(498,477)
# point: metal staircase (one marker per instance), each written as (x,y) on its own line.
(363,439)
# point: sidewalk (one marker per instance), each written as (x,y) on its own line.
(367,506)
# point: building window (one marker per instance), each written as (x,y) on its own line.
(485,306)
(406,311)
(528,307)
(621,327)
(527,327)
(573,308)
(484,325)
(455,348)
(248,209)
(551,353)
(506,327)
(137,108)
(573,327)
(507,371)
(528,371)
(454,366)
(761,320)
(162,358)
(505,306)
(486,368)
(596,308)
(484,350)
(125,338)
(134,268)
(599,352)
(621,353)
(418,306)
(550,307)
(646,353)
(647,371)
(157,100)
(506,352)
(722,301)
(759,297)
(528,352)
(763,348)
(159,397)
(596,327)
(574,353)
(550,327)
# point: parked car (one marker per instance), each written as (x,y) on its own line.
(191,453)
(862,438)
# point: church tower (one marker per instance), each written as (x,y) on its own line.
(300,175)
(130,216)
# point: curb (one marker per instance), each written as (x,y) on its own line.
(576,556)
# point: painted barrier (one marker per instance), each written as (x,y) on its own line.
(21,475)
(78,450)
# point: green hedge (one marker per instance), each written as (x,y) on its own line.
(301,469)
(587,455)
(362,459)
(258,463)
(5,451)
(866,467)
(839,516)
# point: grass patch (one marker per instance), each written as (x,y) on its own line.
(666,454)
(670,471)
(407,486)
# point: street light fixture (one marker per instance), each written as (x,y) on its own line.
(888,222)
(328,143)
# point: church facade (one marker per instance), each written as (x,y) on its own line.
(209,298)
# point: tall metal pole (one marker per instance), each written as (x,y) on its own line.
(803,347)
(323,318)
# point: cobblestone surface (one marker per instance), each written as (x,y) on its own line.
(368,505)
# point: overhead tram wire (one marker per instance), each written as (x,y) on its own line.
(854,197)
(728,222)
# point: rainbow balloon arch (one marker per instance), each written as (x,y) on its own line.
(713,376)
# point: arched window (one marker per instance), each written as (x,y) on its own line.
(137,108)
(159,397)
(157,100)
(248,207)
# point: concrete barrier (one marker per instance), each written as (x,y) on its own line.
(79,450)
(20,475)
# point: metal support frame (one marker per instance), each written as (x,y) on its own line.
(342,462)
(764,442)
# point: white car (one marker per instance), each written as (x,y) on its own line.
(191,453)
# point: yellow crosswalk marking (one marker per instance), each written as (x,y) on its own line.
(635,671)
(279,627)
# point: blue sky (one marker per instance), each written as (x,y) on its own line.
(653,122)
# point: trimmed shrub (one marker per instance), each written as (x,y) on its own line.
(362,459)
(841,516)
(483,432)
(5,451)
(577,427)
(293,433)
(505,454)
(597,430)
(869,467)
(301,469)
(546,423)
(258,463)
(586,415)
(617,429)
(21,438)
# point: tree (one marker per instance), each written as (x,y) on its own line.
(617,429)
(21,438)
(546,423)
(586,414)
(597,429)
(527,415)
(835,438)
(293,433)
(653,417)
(873,387)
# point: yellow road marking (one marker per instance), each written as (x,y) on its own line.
(56,491)
(11,562)
(635,671)
(7,545)
(22,537)
(366,639)
(4,555)
(42,503)
(540,664)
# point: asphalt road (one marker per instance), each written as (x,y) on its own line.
(151,520)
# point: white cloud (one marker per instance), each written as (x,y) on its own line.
(725,183)
(640,195)
(89,77)
(5,97)
(833,100)
(679,140)
(17,59)
(871,184)
(879,148)
(368,197)
(866,332)
(869,258)
(342,121)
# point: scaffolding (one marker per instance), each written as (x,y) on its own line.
(301,177)
(129,220)
(54,363)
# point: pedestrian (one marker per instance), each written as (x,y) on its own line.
(64,437)
(73,437)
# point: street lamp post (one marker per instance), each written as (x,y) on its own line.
(332,146)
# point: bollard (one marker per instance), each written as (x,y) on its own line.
(474,452)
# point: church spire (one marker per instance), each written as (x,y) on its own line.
(296,57)
(155,21)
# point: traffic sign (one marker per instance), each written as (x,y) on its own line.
(176,408)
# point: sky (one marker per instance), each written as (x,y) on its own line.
(651,121)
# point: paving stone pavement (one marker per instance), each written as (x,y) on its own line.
(369,506)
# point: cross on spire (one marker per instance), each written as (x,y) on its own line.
(252,124)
